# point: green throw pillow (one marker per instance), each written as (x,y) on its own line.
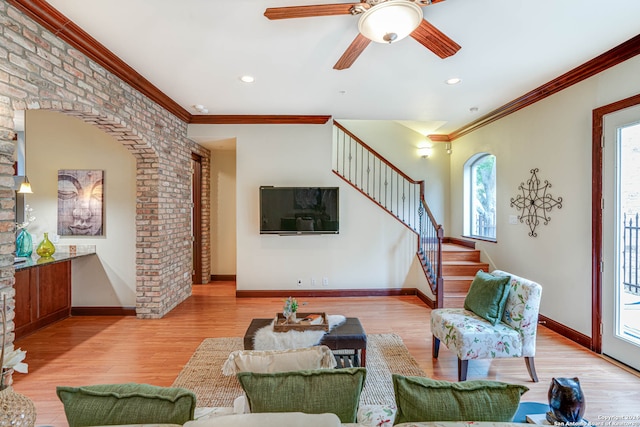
(487,296)
(318,391)
(424,399)
(131,403)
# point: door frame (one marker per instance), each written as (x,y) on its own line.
(597,205)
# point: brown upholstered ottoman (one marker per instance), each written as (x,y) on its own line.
(347,341)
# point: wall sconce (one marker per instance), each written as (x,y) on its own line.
(448,148)
(425,152)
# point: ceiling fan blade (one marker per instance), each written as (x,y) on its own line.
(435,40)
(352,53)
(309,11)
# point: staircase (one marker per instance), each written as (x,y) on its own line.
(449,264)
(460,263)
(402,197)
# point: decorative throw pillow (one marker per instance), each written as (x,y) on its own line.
(131,403)
(487,296)
(424,399)
(376,415)
(318,391)
(269,361)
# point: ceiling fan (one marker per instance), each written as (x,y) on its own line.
(382,21)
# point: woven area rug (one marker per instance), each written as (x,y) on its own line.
(386,354)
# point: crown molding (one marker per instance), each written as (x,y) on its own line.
(600,63)
(63,28)
(258,120)
(439,138)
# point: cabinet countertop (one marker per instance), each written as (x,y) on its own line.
(36,261)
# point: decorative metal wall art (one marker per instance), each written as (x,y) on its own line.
(535,202)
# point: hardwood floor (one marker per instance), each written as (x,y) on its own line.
(112,349)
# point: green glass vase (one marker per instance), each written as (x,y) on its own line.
(45,249)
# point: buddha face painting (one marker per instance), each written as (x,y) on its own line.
(80,202)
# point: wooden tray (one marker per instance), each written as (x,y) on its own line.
(280,324)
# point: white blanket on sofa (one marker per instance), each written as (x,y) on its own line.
(266,339)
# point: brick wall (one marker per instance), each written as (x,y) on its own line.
(40,71)
(206,220)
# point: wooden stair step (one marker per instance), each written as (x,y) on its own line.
(453,284)
(459,253)
(455,247)
(462,268)
(459,267)
(454,300)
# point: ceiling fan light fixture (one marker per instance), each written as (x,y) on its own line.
(390,21)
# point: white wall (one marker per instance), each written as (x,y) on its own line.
(553,135)
(223,212)
(372,250)
(399,145)
(55,141)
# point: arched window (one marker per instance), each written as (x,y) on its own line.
(480,196)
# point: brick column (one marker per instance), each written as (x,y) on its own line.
(7,216)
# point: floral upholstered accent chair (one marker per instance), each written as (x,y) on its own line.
(470,336)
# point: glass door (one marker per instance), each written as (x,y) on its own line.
(621,238)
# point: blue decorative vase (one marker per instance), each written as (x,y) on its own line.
(24,244)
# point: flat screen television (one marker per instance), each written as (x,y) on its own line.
(299,210)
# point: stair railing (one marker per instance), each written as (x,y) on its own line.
(391,189)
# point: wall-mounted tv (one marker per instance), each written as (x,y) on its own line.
(299,210)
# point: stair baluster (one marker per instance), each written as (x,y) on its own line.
(363,168)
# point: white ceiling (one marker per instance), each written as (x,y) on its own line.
(196,50)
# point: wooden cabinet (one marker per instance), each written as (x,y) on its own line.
(43,295)
(23,300)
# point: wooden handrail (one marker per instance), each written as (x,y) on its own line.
(394,168)
(378,203)
(378,155)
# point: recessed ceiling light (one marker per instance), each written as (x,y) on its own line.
(453,81)
(248,79)
(201,108)
(473,109)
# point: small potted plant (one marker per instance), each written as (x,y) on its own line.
(290,309)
